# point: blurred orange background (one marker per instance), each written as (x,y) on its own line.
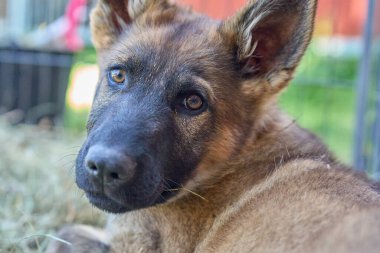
(337,17)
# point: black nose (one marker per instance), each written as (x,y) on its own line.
(109,166)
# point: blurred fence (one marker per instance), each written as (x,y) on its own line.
(33,83)
(367,135)
(21,17)
(35,57)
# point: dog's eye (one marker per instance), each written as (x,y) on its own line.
(193,102)
(118,76)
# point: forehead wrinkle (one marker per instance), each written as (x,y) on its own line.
(166,52)
(206,85)
(133,42)
(118,55)
(144,52)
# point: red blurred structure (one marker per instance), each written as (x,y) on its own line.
(74,12)
(338,17)
(346,17)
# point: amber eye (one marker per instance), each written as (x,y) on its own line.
(118,76)
(193,102)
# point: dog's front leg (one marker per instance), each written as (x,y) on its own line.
(79,239)
(84,239)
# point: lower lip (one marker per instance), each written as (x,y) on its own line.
(100,199)
(104,203)
(96,197)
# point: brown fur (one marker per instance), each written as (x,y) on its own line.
(263,183)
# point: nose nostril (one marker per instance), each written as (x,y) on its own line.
(109,165)
(114,175)
(92,166)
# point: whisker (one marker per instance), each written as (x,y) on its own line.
(181,187)
(189,191)
(67,166)
(66,156)
(167,179)
(73,147)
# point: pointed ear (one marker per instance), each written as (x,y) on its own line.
(111,17)
(270,36)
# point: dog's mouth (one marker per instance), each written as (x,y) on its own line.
(148,187)
(119,204)
(106,204)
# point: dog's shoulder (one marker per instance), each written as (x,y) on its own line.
(296,204)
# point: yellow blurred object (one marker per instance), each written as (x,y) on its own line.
(82,87)
(324,28)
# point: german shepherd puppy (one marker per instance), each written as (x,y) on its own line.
(188,150)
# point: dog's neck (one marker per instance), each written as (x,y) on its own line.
(188,218)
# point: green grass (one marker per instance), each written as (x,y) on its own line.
(322,99)
(331,70)
(37,191)
(326,111)
(75,120)
(86,56)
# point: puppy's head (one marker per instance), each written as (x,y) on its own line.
(179,93)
